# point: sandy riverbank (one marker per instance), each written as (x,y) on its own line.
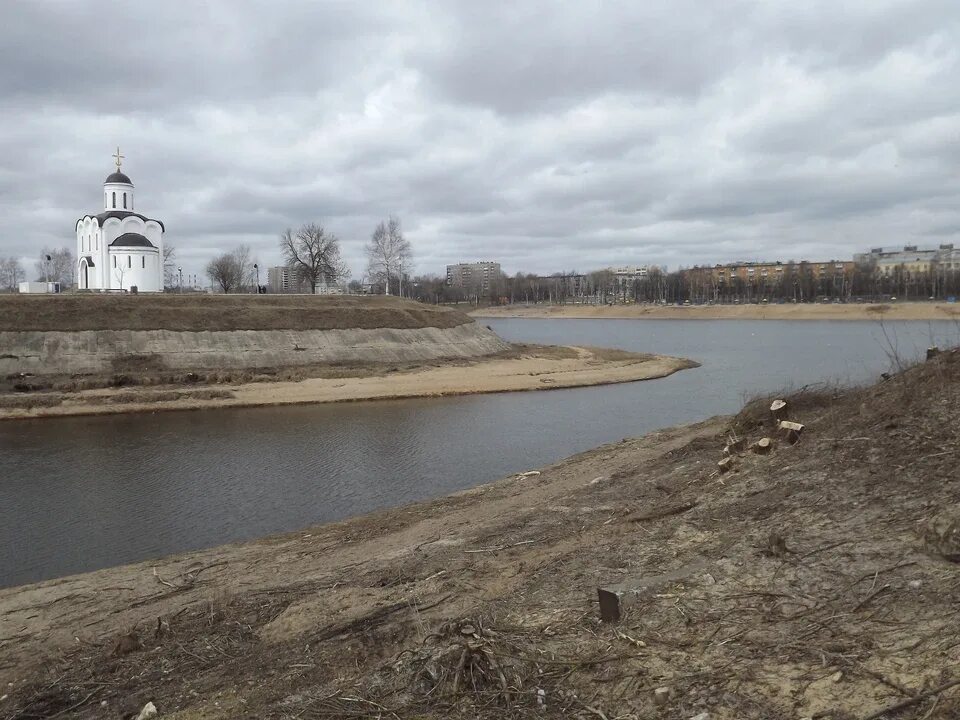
(529,368)
(795,585)
(893,311)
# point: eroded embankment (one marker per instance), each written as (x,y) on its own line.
(519,368)
(120,351)
(812,581)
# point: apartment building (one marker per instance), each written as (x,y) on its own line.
(772,273)
(479,275)
(911,259)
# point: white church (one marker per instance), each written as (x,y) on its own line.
(119,249)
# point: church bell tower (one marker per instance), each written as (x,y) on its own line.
(118,189)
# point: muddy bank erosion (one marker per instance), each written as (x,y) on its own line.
(814,580)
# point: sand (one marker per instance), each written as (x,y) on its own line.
(542,369)
(859,311)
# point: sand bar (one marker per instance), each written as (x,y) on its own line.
(543,369)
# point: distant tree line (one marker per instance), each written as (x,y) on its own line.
(797,283)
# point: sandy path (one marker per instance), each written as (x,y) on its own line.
(589,367)
(894,311)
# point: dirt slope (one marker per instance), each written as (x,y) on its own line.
(796,585)
(195,312)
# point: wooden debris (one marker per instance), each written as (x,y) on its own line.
(791,431)
(726,463)
(609,605)
(661,696)
(762,446)
(734,445)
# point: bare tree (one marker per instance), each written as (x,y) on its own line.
(224,271)
(313,255)
(388,253)
(55,266)
(169,264)
(11,273)
(232,271)
(245,262)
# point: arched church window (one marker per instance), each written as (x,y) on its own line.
(114,260)
(143,261)
(129,260)
(114,200)
(124,201)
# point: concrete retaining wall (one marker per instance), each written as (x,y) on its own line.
(105,351)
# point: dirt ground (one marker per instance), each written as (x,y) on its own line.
(806,311)
(200,312)
(524,367)
(809,582)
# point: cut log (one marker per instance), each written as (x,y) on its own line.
(762,446)
(725,464)
(788,425)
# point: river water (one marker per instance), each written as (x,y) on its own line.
(78,494)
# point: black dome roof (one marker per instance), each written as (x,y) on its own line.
(117,177)
(132,240)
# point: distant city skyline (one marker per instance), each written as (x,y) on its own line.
(548,138)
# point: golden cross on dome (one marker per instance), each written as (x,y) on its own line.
(118,157)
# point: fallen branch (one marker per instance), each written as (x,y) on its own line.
(497,548)
(910,702)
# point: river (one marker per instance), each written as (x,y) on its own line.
(79,494)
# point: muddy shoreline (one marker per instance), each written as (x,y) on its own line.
(526,368)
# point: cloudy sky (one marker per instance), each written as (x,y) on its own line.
(545,135)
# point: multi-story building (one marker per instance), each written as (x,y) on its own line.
(911,259)
(479,275)
(280,279)
(626,276)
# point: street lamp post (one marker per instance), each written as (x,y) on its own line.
(257,268)
(180,278)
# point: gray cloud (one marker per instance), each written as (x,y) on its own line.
(545,136)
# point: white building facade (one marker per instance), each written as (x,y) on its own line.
(119,249)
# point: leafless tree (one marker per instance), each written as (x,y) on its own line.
(169,264)
(58,268)
(388,254)
(11,273)
(232,271)
(224,271)
(313,255)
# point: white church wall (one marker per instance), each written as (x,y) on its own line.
(135,266)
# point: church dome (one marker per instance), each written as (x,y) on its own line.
(117,177)
(131,240)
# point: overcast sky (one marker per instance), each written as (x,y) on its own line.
(548,136)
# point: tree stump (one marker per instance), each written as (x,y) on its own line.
(941,535)
(762,446)
(779,409)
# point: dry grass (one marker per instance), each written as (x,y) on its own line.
(194,313)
